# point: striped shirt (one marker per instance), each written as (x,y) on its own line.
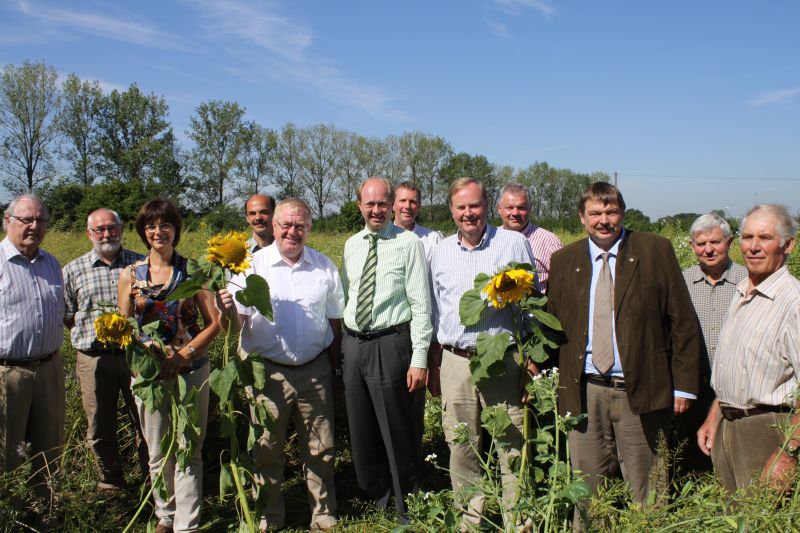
(401,287)
(89,281)
(543,244)
(453,271)
(32,303)
(758,355)
(711,303)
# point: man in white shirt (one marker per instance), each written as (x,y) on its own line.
(407,201)
(301,351)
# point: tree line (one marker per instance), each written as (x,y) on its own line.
(81,149)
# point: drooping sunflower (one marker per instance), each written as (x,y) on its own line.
(230,251)
(113,328)
(508,287)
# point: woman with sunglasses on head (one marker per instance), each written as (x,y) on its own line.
(143,289)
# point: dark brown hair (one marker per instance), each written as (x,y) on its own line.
(158,210)
(602,192)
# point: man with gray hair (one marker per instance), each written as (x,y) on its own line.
(102,371)
(712,285)
(514,207)
(32,397)
(756,367)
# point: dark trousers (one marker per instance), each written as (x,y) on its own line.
(379,409)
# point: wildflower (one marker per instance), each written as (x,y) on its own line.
(569,414)
(24,450)
(113,328)
(230,251)
(508,287)
(431,458)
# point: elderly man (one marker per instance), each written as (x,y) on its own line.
(476,248)
(388,324)
(514,208)
(407,201)
(32,394)
(258,210)
(102,370)
(301,350)
(756,368)
(712,285)
(632,355)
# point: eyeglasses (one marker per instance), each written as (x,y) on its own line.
(29,220)
(301,228)
(165,226)
(113,228)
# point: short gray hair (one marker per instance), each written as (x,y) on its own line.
(116,216)
(514,189)
(13,205)
(785,224)
(708,222)
(294,204)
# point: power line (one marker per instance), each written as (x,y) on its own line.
(731,178)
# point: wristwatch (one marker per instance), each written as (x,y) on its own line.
(192,351)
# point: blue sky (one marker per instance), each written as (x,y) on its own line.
(696,104)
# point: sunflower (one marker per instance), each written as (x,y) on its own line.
(508,287)
(230,251)
(113,328)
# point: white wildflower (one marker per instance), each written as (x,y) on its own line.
(431,458)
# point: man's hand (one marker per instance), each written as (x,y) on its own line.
(173,362)
(415,378)
(226,299)
(681,405)
(706,433)
(434,384)
(779,470)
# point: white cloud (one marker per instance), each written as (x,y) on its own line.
(139,32)
(246,30)
(515,7)
(499,29)
(783,96)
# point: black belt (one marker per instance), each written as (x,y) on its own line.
(27,363)
(606,381)
(467,354)
(734,413)
(372,335)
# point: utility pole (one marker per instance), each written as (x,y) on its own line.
(615,178)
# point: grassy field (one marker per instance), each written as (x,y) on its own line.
(86,510)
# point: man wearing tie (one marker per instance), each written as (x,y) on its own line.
(631,359)
(388,323)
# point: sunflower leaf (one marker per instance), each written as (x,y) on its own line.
(471,307)
(481,280)
(547,319)
(188,288)
(256,294)
(488,362)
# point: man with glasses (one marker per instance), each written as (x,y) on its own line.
(102,370)
(258,211)
(301,350)
(388,324)
(32,398)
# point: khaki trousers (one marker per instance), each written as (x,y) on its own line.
(102,378)
(613,437)
(742,447)
(462,403)
(181,507)
(303,394)
(32,407)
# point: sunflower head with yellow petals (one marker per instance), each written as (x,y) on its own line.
(230,251)
(508,286)
(113,329)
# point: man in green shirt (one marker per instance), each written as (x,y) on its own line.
(388,323)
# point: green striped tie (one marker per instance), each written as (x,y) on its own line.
(366,290)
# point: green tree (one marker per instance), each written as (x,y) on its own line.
(134,135)
(218,132)
(253,166)
(320,160)
(475,166)
(286,160)
(78,123)
(29,104)
(424,157)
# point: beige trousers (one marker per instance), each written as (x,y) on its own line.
(462,403)
(303,394)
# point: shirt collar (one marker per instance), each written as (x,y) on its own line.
(529,229)
(595,251)
(769,287)
(488,233)
(274,257)
(10,251)
(95,257)
(384,233)
(699,275)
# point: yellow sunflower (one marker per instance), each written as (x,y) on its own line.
(113,328)
(230,251)
(508,287)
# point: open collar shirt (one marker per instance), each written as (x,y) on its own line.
(711,303)
(304,296)
(429,239)
(32,304)
(758,355)
(543,245)
(453,271)
(88,282)
(402,293)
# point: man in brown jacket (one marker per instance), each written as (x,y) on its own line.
(631,359)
